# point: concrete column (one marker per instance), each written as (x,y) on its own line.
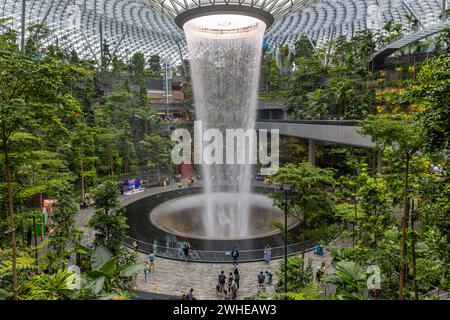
(444,9)
(22,27)
(312,151)
(379,161)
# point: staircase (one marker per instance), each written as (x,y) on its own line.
(438,294)
(382,54)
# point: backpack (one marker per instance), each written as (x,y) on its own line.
(261,278)
(151,257)
(222,279)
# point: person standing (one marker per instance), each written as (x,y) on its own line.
(267,252)
(190,295)
(237,277)
(151,259)
(235,256)
(261,279)
(135,245)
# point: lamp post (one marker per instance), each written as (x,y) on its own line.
(286,190)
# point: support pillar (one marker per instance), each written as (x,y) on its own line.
(312,148)
(443,11)
(22,27)
(379,161)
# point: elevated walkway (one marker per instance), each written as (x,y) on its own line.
(333,131)
(381,55)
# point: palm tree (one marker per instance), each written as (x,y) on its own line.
(350,279)
(58,286)
(412,21)
(108,278)
(149,117)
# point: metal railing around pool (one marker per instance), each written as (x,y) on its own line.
(176,251)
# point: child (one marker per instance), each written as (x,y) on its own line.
(146,271)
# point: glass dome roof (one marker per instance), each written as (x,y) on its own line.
(147,26)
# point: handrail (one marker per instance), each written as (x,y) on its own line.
(248,250)
(347,123)
(251,255)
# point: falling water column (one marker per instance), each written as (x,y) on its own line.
(225,57)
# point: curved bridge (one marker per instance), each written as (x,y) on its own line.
(334,131)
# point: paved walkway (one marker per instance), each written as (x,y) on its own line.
(172,276)
(84,215)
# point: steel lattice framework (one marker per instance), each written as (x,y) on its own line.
(147,26)
(277,8)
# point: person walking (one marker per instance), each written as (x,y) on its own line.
(267,252)
(234,291)
(228,294)
(237,277)
(178,177)
(269,278)
(186,249)
(230,279)
(221,282)
(320,272)
(146,272)
(235,256)
(151,259)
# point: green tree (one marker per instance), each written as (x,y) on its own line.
(271,77)
(405,137)
(137,65)
(154,63)
(158,154)
(108,221)
(81,151)
(33,94)
(431,93)
(374,201)
(310,201)
(64,237)
(297,278)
